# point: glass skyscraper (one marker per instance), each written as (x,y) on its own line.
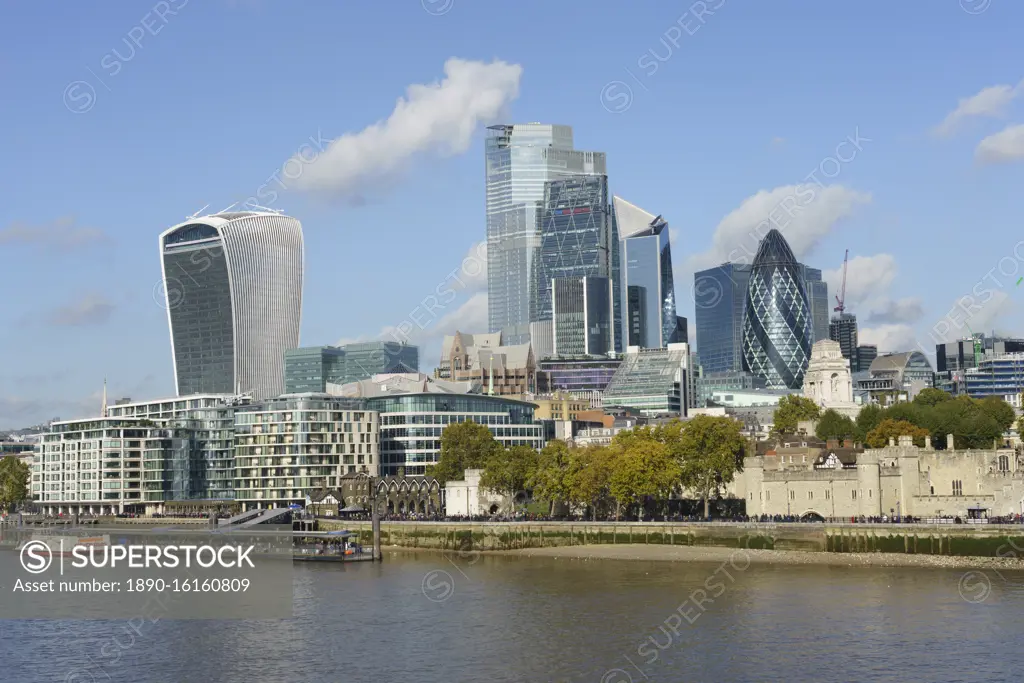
(582,316)
(719,295)
(647,262)
(777,319)
(578,240)
(817,299)
(311,369)
(233,291)
(520,160)
(843,329)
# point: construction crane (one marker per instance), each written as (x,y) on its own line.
(841,296)
(979,349)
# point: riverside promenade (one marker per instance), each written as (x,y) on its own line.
(966,540)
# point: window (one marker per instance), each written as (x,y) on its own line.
(810,495)
(828,494)
(1004,463)
(854,494)
(792,495)
(958,487)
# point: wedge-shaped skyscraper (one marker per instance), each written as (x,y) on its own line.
(777,325)
(646,257)
(233,291)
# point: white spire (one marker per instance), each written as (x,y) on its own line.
(103,408)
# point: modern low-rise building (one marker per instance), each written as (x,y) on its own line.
(109,465)
(733,380)
(997,375)
(414,410)
(287,446)
(311,369)
(582,377)
(557,406)
(210,421)
(653,381)
(897,377)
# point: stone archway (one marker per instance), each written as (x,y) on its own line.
(812,516)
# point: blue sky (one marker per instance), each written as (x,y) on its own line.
(103,150)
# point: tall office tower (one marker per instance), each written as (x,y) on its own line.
(777,318)
(843,329)
(520,160)
(582,316)
(647,262)
(817,298)
(636,311)
(719,295)
(233,285)
(577,241)
(865,354)
(311,369)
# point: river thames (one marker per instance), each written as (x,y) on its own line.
(432,617)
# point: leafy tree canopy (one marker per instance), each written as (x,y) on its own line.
(832,425)
(464,445)
(792,410)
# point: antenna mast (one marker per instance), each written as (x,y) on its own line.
(841,296)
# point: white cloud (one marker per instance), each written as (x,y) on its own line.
(88,309)
(61,234)
(437,118)
(802,213)
(991,102)
(1005,146)
(889,338)
(868,283)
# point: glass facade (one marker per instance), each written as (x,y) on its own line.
(310,369)
(411,425)
(233,292)
(366,359)
(647,262)
(777,319)
(997,375)
(817,298)
(582,316)
(578,239)
(520,159)
(653,381)
(210,424)
(843,329)
(113,465)
(636,311)
(584,378)
(200,310)
(719,295)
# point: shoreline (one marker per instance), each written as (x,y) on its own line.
(706,554)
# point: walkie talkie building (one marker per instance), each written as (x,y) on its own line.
(233,290)
(777,326)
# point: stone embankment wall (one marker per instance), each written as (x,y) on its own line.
(953,540)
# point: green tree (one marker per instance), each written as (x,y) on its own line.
(551,480)
(464,445)
(867,419)
(889,428)
(589,473)
(999,410)
(710,452)
(792,410)
(832,425)
(14,475)
(641,468)
(508,471)
(930,396)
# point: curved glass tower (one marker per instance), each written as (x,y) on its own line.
(777,327)
(233,291)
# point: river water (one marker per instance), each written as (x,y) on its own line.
(427,617)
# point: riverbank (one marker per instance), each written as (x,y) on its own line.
(740,557)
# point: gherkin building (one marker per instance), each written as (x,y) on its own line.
(777,325)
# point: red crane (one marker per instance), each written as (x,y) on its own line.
(841,296)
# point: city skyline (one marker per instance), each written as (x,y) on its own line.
(935,160)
